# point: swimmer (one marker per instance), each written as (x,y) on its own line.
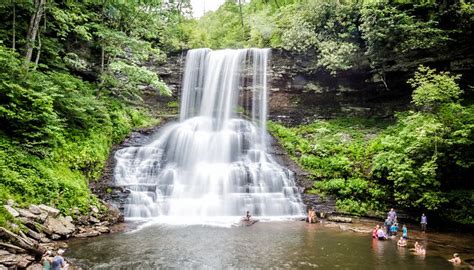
(402,242)
(455,259)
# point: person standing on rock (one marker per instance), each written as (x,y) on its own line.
(424,221)
(392,215)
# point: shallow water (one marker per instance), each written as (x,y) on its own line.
(263,245)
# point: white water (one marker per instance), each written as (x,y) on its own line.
(212,165)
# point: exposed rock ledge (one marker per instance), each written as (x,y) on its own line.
(37,232)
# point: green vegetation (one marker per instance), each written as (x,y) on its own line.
(377,35)
(70,74)
(422,162)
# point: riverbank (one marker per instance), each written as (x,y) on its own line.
(39,231)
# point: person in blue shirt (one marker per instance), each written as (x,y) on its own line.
(58,261)
(404,232)
(394,229)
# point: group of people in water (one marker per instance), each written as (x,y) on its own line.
(391,231)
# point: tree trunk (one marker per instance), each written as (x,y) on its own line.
(33,30)
(102,59)
(38,53)
(14,27)
(241,18)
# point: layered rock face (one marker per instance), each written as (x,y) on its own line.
(299,94)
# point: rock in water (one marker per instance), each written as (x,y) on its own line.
(340,219)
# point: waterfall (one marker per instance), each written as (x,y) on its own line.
(213,163)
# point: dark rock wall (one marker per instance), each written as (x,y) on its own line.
(298,94)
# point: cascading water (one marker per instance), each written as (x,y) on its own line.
(211,164)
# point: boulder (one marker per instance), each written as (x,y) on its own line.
(11,210)
(24,261)
(102,229)
(55,236)
(26,213)
(10,202)
(35,235)
(340,219)
(61,226)
(34,225)
(45,240)
(87,233)
(93,219)
(52,212)
(42,217)
(9,259)
(3,267)
(95,209)
(34,209)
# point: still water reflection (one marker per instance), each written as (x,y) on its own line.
(263,245)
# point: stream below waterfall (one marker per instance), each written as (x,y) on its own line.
(264,245)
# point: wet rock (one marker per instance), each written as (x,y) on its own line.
(61,226)
(93,219)
(35,266)
(87,233)
(102,229)
(11,210)
(340,219)
(26,213)
(114,215)
(52,212)
(34,209)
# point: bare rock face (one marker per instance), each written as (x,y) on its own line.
(61,226)
(52,212)
(11,210)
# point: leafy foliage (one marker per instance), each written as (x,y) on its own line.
(61,112)
(422,162)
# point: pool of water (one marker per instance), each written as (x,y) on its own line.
(263,245)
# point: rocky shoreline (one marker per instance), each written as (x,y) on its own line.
(39,231)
